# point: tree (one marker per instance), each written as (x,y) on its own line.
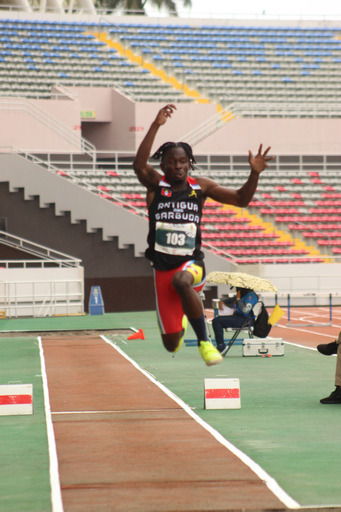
(138,6)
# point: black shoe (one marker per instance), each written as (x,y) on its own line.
(328,349)
(333,398)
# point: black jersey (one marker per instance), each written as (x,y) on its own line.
(174,225)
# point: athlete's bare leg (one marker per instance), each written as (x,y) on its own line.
(191,303)
(171,341)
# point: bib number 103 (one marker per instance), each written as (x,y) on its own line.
(176,239)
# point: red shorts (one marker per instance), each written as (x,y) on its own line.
(168,302)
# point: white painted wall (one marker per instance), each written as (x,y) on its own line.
(315,277)
(120,124)
(114,127)
(130,121)
(41,291)
(307,284)
(236,137)
(45,125)
(97,99)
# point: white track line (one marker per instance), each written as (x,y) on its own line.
(56,497)
(324,507)
(113,411)
(263,475)
(305,330)
(302,346)
(299,345)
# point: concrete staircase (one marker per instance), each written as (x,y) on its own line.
(81,203)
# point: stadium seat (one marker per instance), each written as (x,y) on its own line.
(276,65)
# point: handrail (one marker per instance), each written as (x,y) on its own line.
(37,249)
(282,109)
(116,160)
(52,123)
(43,117)
(38,161)
(51,95)
(8,264)
(209,126)
(183,13)
(63,92)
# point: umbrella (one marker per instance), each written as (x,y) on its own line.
(241,280)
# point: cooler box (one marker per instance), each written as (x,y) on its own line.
(263,347)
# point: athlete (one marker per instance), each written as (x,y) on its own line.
(175,202)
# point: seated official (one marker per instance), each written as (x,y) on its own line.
(242,313)
(227,305)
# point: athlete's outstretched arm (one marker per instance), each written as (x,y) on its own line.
(146,174)
(242,196)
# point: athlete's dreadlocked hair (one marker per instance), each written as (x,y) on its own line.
(161,152)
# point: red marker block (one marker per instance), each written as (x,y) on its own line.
(222,393)
(16,399)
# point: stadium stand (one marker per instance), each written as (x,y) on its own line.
(229,230)
(249,71)
(245,63)
(34,55)
(249,67)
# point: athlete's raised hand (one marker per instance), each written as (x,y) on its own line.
(147,175)
(164,114)
(259,162)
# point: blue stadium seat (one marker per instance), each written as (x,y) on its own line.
(279,59)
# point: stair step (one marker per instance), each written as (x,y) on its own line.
(77,203)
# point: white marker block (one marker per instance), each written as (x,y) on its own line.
(222,393)
(16,399)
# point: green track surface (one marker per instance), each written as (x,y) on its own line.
(281,424)
(24,468)
(63,323)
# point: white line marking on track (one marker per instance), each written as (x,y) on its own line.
(305,330)
(309,507)
(302,346)
(263,475)
(56,497)
(113,411)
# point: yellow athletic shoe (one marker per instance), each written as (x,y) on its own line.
(184,326)
(209,353)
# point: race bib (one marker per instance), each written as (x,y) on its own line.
(178,239)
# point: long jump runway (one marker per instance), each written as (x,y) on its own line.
(124,445)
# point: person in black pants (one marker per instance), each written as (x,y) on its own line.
(329,349)
(243,314)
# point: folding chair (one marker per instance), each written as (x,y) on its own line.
(247,325)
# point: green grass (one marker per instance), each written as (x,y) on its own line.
(24,468)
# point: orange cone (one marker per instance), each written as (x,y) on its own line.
(139,335)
